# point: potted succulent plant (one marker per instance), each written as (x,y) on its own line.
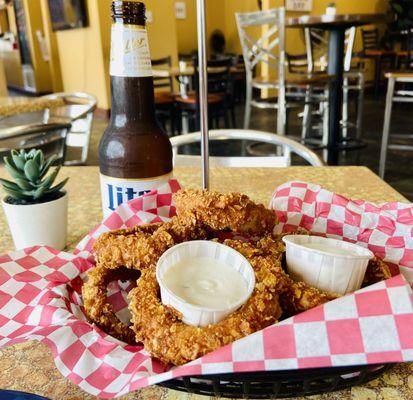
(36,211)
(331,9)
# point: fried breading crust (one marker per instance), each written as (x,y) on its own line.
(97,308)
(141,246)
(173,342)
(295,297)
(377,271)
(219,212)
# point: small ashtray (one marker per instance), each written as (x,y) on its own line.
(328,264)
(221,257)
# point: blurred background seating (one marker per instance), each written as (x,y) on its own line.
(42,61)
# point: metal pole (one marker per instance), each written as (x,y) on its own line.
(203,92)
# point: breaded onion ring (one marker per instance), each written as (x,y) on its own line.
(219,212)
(295,297)
(96,305)
(120,251)
(141,246)
(170,340)
(377,271)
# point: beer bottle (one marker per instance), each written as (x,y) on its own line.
(135,154)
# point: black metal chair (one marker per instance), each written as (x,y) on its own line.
(220,95)
(164,96)
(373,51)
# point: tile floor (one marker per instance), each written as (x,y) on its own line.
(399,172)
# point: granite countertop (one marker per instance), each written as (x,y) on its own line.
(29,366)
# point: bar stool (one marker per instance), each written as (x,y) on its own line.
(269,49)
(371,50)
(353,80)
(394,96)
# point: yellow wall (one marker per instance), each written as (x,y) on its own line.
(294,37)
(81,57)
(54,76)
(34,22)
(186,29)
(221,15)
(162,31)
(84,53)
(231,32)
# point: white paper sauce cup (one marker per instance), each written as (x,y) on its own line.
(197,315)
(325,270)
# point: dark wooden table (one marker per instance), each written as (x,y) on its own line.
(336,25)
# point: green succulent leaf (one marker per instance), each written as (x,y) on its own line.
(31,170)
(12,169)
(48,182)
(41,158)
(47,165)
(24,184)
(30,174)
(18,159)
(39,193)
(38,158)
(58,187)
(9,185)
(31,154)
(17,195)
(19,162)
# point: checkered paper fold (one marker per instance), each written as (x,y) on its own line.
(40,299)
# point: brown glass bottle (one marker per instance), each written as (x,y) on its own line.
(135,154)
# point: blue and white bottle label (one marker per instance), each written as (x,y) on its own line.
(116,191)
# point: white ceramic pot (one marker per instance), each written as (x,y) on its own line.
(38,224)
(331,11)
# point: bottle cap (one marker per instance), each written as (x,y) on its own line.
(129,12)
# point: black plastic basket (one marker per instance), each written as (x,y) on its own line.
(278,384)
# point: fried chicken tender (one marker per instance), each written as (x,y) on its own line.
(97,308)
(219,212)
(167,338)
(141,246)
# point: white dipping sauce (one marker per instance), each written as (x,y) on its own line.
(205,282)
(330,249)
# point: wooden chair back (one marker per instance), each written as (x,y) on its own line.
(163,82)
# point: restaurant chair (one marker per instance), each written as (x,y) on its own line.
(284,160)
(353,79)
(78,109)
(269,49)
(186,84)
(164,94)
(404,56)
(220,95)
(239,78)
(72,108)
(395,96)
(373,51)
(49,137)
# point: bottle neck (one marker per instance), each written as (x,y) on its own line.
(132,90)
(132,100)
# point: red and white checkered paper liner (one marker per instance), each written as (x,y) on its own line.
(40,299)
